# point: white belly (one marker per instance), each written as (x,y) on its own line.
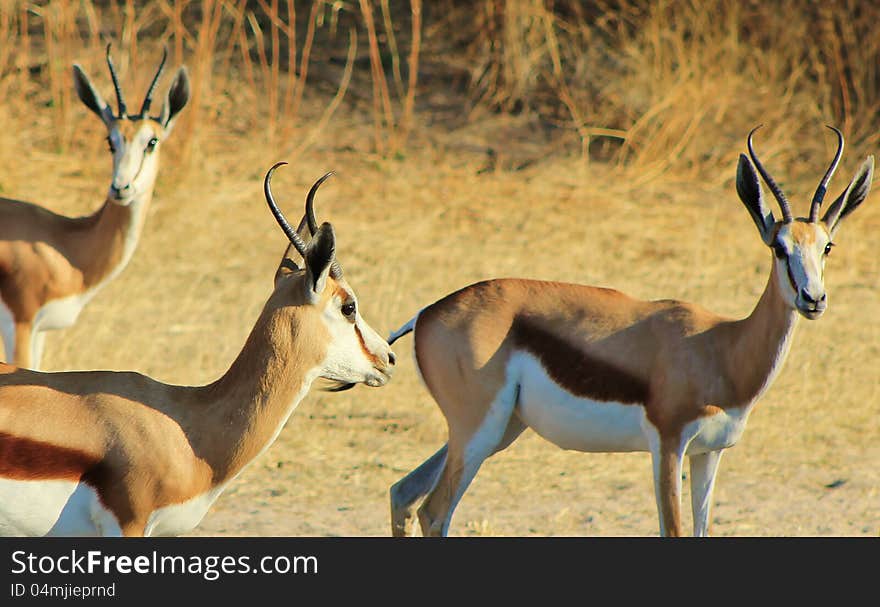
(61,313)
(56,314)
(572,422)
(719,431)
(178,519)
(52,507)
(69,508)
(582,424)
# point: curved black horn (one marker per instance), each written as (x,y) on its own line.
(279,216)
(120,100)
(335,268)
(310,204)
(777,191)
(148,99)
(823,185)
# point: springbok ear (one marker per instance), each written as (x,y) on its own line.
(749,189)
(319,257)
(175,100)
(854,195)
(90,96)
(287,265)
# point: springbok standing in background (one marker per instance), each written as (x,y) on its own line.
(52,265)
(592,369)
(110,453)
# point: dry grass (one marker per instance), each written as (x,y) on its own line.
(657,217)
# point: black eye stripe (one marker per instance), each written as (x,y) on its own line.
(791,279)
(780,251)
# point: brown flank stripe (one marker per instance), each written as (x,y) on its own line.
(576,371)
(29,460)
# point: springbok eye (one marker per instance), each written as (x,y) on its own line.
(779,250)
(151,144)
(111,146)
(828,248)
(348,309)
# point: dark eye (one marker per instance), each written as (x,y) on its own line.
(348,309)
(111,146)
(151,144)
(828,248)
(779,250)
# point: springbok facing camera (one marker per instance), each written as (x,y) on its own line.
(591,369)
(51,265)
(108,453)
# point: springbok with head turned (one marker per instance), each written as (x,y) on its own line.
(110,453)
(52,265)
(592,369)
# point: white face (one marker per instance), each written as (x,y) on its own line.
(356,353)
(801,249)
(135,149)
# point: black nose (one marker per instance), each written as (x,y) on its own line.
(391,358)
(117,190)
(809,299)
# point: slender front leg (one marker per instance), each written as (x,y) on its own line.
(666,455)
(461,465)
(7,331)
(412,488)
(704,468)
(38,340)
(23,335)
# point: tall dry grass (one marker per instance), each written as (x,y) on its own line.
(673,86)
(234,49)
(662,87)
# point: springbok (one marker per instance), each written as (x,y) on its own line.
(51,265)
(592,369)
(118,453)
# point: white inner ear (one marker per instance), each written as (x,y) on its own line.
(167,124)
(768,227)
(788,263)
(766,217)
(315,288)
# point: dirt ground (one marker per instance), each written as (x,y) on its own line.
(414,228)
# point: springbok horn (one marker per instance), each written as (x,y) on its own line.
(823,185)
(335,269)
(148,99)
(279,216)
(310,204)
(777,192)
(119,98)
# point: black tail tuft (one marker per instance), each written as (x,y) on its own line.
(393,338)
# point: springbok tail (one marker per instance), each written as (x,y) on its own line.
(407,328)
